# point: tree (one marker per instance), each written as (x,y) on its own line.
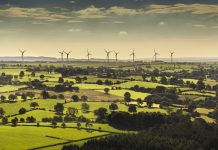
(217,93)
(3,98)
(2,112)
(132,109)
(60,80)
(85,107)
(78,124)
(149,102)
(34,104)
(76,89)
(30,119)
(54,124)
(30,94)
(200,84)
(191,107)
(127,97)
(12,97)
(63,125)
(42,76)
(5,120)
(21,74)
(75,98)
(59,108)
(88,124)
(14,122)
(61,96)
(101,113)
(99,82)
(72,111)
(163,80)
(113,107)
(106,90)
(33,74)
(45,94)
(24,97)
(139,101)
(22,111)
(144,77)
(84,98)
(78,79)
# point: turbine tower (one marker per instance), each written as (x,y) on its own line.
(133,56)
(155,55)
(171,56)
(67,53)
(108,55)
(62,55)
(88,55)
(22,54)
(116,54)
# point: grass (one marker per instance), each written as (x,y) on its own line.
(198,93)
(96,105)
(38,114)
(134,95)
(11,71)
(13,108)
(31,137)
(9,88)
(204,111)
(141,84)
(92,86)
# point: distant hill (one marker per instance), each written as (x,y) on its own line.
(28,58)
(53,59)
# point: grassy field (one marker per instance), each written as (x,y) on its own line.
(31,137)
(198,93)
(9,88)
(134,95)
(11,71)
(13,108)
(96,105)
(92,86)
(38,114)
(141,84)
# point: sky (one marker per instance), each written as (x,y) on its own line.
(44,27)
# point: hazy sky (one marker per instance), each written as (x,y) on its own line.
(188,27)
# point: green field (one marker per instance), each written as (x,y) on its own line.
(134,95)
(141,84)
(32,137)
(9,88)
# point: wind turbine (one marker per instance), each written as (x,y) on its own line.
(133,56)
(88,54)
(116,54)
(155,55)
(171,56)
(108,55)
(67,53)
(22,54)
(62,55)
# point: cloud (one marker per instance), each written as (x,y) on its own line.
(91,12)
(199,25)
(74,30)
(75,21)
(183,8)
(123,33)
(162,23)
(72,2)
(33,13)
(124,11)
(215,27)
